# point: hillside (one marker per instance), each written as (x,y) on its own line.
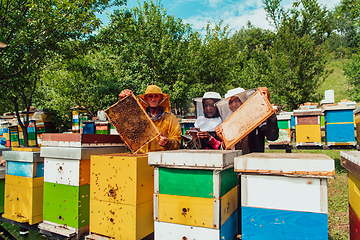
(336,81)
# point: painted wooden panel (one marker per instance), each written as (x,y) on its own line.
(308,133)
(246,118)
(23,199)
(22,156)
(284,193)
(25,169)
(195,211)
(357,123)
(192,211)
(132,122)
(78,153)
(166,231)
(196,182)
(88,127)
(194,158)
(354,225)
(121,178)
(186,182)
(121,221)
(354,192)
(296,164)
(66,205)
(2,194)
(351,161)
(283,124)
(307,120)
(80,140)
(340,133)
(338,116)
(261,223)
(68,172)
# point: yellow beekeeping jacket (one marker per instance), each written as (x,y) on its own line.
(170,127)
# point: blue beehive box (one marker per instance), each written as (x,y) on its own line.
(339,125)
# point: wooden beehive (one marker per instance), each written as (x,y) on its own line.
(246,118)
(24,199)
(2,188)
(132,123)
(339,125)
(308,127)
(357,123)
(195,193)
(121,196)
(351,161)
(284,195)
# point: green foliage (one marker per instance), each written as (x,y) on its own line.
(292,66)
(90,80)
(352,72)
(35,32)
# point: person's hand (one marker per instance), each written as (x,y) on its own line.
(265,91)
(124,93)
(204,135)
(219,131)
(163,140)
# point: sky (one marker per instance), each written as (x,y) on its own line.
(235,13)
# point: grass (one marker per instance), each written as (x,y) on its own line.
(14,231)
(336,81)
(338,207)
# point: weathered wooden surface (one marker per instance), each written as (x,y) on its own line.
(354,193)
(245,119)
(305,120)
(286,164)
(132,123)
(351,161)
(79,140)
(186,158)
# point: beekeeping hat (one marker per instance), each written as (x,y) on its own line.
(198,102)
(153,89)
(241,93)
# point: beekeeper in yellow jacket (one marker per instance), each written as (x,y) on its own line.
(157,106)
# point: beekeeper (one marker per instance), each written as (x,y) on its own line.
(157,106)
(255,140)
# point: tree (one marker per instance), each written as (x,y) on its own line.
(89,80)
(352,72)
(35,32)
(294,66)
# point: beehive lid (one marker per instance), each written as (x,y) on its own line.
(132,123)
(2,150)
(351,161)
(2,172)
(309,112)
(286,164)
(357,110)
(283,117)
(339,107)
(80,140)
(78,153)
(186,158)
(22,156)
(245,119)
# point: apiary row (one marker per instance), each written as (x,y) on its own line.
(75,185)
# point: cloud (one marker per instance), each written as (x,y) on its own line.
(237,13)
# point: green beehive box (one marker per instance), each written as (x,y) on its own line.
(66,205)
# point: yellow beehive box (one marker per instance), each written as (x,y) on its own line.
(23,199)
(121,221)
(195,211)
(308,133)
(354,193)
(121,178)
